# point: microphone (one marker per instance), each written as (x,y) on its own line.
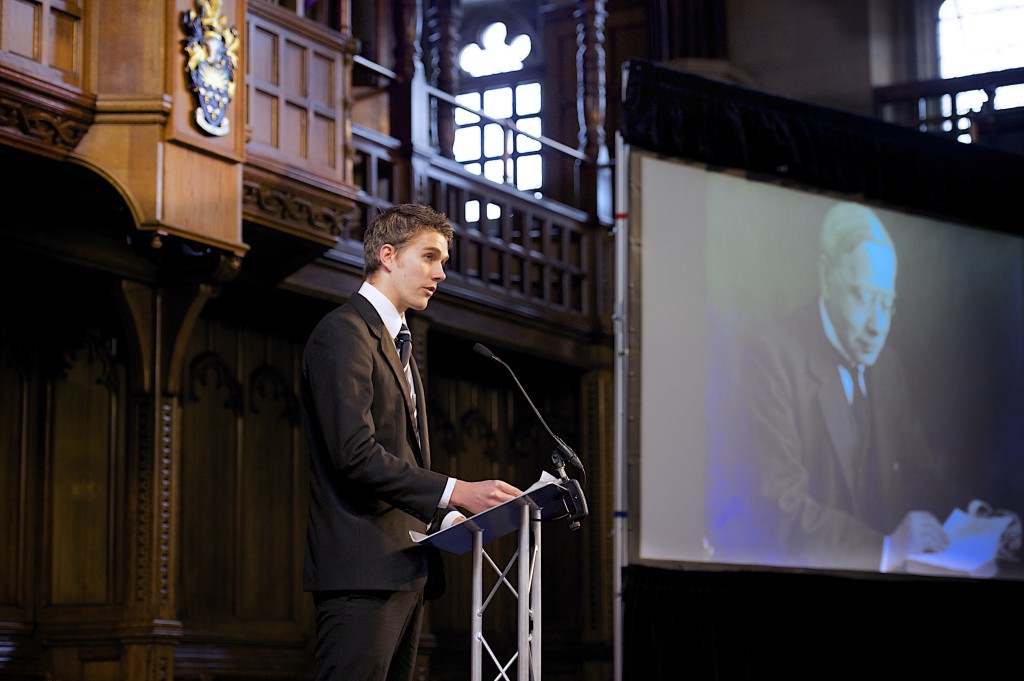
(572,498)
(564,448)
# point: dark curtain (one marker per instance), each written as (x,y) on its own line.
(772,138)
(681,624)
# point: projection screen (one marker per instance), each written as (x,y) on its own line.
(735,450)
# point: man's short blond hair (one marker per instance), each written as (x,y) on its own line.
(397,226)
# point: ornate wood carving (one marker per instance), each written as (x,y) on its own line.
(198,373)
(287,224)
(164,488)
(315,218)
(268,383)
(40,116)
(181,308)
(142,543)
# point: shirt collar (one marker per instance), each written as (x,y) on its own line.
(384,307)
(830,333)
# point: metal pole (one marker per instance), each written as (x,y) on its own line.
(477,621)
(523,662)
(535,596)
(620,525)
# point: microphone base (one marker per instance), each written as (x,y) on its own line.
(574,501)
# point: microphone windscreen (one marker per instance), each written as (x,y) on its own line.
(483,351)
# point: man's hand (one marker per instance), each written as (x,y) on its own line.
(919,531)
(477,497)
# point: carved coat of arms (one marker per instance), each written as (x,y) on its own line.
(212,50)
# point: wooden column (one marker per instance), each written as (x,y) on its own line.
(444,21)
(410,118)
(594,177)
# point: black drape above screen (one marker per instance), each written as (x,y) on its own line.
(698,119)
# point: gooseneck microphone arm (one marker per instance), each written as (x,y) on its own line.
(565,449)
(576,504)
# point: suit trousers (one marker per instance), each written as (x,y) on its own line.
(367,635)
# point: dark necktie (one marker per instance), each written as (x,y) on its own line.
(868,473)
(861,407)
(404,344)
(403,341)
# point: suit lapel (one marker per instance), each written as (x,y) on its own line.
(421,415)
(881,387)
(835,411)
(389,352)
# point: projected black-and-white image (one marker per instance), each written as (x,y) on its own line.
(826,383)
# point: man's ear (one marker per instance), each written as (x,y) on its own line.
(387,256)
(823,280)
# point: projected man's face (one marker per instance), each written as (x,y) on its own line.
(860,296)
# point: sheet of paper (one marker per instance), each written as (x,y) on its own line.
(974,543)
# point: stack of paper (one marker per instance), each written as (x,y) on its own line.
(973,547)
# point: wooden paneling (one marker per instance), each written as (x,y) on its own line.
(86,473)
(63,472)
(176,178)
(209,487)
(297,84)
(14,416)
(243,479)
(298,180)
(65,49)
(44,38)
(202,197)
(26,16)
(42,103)
(154,471)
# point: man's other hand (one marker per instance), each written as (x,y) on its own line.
(477,497)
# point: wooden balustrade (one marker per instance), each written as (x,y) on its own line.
(513,251)
(935,106)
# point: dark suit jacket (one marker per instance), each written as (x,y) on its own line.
(370,482)
(804,442)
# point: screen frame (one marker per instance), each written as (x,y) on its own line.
(670,116)
(674,207)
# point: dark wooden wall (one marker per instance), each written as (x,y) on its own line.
(153,455)
(191,510)
(152,472)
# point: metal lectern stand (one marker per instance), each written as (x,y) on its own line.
(544,500)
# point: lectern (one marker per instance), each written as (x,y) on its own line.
(549,498)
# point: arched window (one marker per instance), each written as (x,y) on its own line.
(979,36)
(496,83)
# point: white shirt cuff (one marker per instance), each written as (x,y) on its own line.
(447,496)
(884,567)
(450,519)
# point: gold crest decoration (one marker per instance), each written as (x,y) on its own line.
(212,51)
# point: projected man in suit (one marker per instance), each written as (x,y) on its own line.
(369,460)
(844,467)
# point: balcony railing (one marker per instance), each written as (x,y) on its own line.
(963,108)
(521,252)
(514,250)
